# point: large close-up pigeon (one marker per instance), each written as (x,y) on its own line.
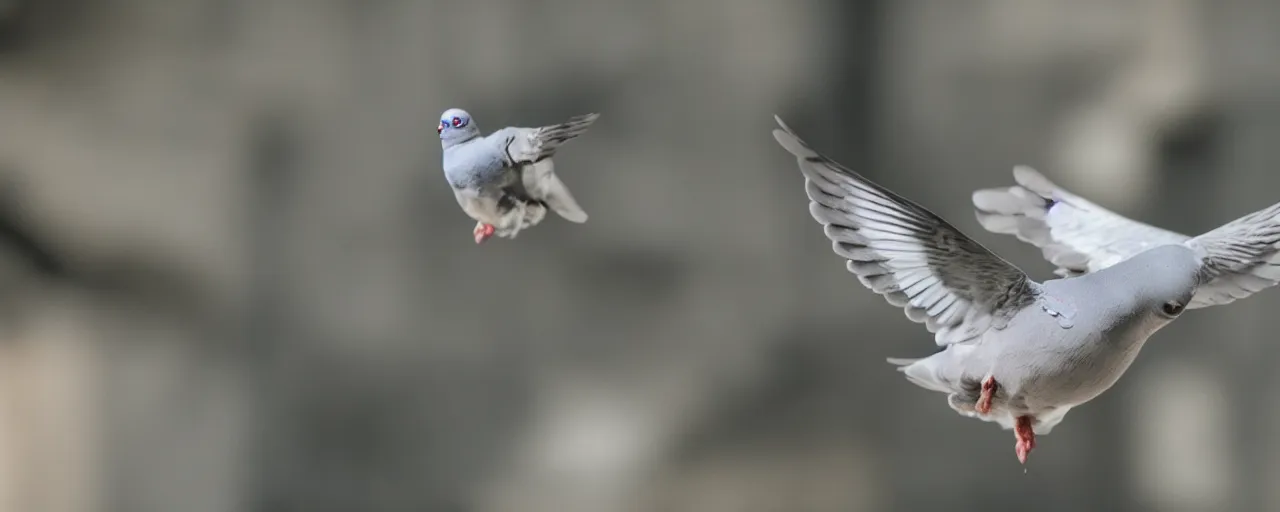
(1239,258)
(506,180)
(1014,351)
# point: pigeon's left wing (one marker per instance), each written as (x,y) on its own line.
(940,277)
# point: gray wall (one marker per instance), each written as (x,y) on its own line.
(232,277)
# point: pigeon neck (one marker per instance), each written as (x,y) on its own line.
(449,142)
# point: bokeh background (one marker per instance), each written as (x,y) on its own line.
(232,277)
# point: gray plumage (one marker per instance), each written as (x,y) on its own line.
(1050,346)
(507,179)
(1239,258)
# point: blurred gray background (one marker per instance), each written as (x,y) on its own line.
(232,277)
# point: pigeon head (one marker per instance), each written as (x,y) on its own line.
(456,127)
(1166,279)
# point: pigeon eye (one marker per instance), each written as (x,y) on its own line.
(1173,308)
(457,122)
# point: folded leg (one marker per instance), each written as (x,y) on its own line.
(989,387)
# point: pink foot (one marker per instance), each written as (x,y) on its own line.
(483,232)
(989,386)
(1026,438)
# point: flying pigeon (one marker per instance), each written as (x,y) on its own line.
(1239,258)
(506,180)
(1014,351)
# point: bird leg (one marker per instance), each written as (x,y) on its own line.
(989,386)
(483,232)
(1026,437)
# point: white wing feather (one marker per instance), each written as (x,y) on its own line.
(1240,258)
(529,145)
(942,278)
(1075,234)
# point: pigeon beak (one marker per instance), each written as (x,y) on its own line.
(439,130)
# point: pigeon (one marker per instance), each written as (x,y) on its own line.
(1239,258)
(1013,351)
(506,180)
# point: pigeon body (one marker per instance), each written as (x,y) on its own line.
(506,181)
(1014,351)
(1239,258)
(1071,344)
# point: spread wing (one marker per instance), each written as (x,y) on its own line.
(1074,234)
(940,277)
(1239,258)
(530,145)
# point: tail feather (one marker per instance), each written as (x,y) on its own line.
(921,372)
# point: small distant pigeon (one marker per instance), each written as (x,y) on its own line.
(1014,351)
(1240,258)
(506,180)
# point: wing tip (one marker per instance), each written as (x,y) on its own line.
(1032,180)
(777,118)
(984,199)
(789,140)
(579,122)
(1024,169)
(901,362)
(785,139)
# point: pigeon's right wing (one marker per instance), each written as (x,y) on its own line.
(1075,234)
(530,145)
(916,260)
(1239,258)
